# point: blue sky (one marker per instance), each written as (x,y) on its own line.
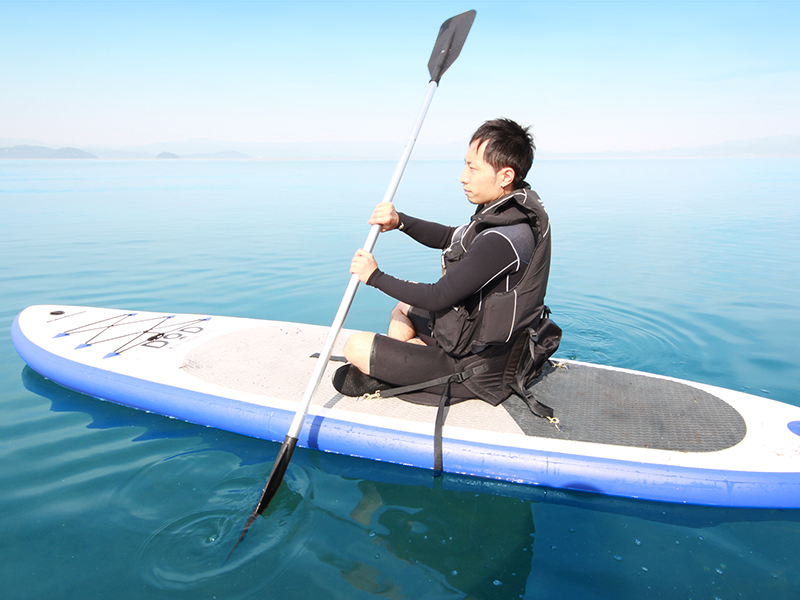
(587,76)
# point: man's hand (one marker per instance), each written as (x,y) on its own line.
(363,265)
(385,216)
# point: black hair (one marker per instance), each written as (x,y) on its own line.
(508,145)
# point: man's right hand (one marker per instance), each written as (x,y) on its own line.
(386,216)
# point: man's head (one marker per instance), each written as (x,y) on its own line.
(499,157)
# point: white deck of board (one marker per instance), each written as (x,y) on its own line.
(274,360)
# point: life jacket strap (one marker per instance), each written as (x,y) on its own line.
(536,407)
(439,424)
(416,387)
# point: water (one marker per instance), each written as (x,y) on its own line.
(688,268)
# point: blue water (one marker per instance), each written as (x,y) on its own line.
(689,268)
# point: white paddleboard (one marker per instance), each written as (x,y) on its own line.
(623,433)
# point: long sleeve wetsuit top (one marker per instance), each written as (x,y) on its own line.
(483,269)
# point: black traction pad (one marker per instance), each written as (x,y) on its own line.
(604,406)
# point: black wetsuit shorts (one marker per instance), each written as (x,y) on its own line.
(401,363)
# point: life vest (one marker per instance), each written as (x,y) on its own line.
(503,313)
(489,342)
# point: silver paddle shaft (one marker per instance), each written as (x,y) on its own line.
(352,286)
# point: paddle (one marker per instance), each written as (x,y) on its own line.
(449,42)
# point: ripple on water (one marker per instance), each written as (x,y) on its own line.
(188,534)
(601,331)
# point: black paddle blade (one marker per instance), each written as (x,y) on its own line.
(452,36)
(272,485)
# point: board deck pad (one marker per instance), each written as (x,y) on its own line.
(622,432)
(609,407)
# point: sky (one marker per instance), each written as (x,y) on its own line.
(587,76)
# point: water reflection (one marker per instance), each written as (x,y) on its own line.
(478,545)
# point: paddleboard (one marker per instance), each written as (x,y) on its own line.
(622,433)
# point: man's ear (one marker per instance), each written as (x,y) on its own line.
(507,176)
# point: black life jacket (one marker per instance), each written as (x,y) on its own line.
(504,313)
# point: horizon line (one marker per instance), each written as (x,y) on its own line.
(787,145)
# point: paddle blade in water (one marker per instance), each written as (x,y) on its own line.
(272,485)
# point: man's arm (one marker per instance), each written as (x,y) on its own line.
(427,233)
(489,257)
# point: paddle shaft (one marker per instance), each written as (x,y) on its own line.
(352,286)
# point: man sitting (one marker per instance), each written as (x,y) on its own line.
(495,271)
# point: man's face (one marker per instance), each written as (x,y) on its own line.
(482,184)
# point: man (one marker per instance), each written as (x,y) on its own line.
(493,287)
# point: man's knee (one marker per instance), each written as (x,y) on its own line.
(400,325)
(358,348)
(400,310)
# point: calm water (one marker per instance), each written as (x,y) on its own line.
(690,268)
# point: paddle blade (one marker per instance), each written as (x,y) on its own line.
(277,473)
(452,36)
(272,485)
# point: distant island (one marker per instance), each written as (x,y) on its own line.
(25,152)
(232,154)
(28,152)
(784,146)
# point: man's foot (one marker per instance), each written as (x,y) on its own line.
(349,381)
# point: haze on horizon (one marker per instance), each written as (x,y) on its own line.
(587,76)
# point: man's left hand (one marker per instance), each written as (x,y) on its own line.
(363,265)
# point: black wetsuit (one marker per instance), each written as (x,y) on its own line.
(491,257)
(495,260)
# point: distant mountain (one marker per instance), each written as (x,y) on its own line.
(228,154)
(775,146)
(782,146)
(212,149)
(30,151)
(787,146)
(35,152)
(112,154)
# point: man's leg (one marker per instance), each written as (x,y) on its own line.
(395,363)
(357,350)
(401,327)
(358,347)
